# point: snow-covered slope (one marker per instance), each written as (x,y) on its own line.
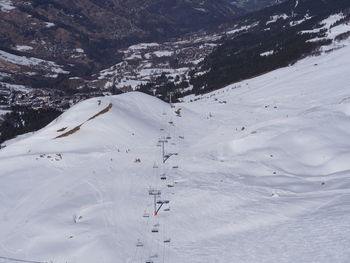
(261,175)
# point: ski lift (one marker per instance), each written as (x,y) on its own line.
(163,202)
(139,243)
(162,139)
(175,167)
(149,261)
(146,215)
(168,137)
(167,240)
(170,185)
(163,177)
(154,192)
(155,228)
(167,209)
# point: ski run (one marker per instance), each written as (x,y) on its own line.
(258,171)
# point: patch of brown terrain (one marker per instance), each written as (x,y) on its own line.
(77,128)
(63,129)
(70,132)
(105,110)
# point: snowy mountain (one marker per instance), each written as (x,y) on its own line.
(272,38)
(255,172)
(248,46)
(83,36)
(51,50)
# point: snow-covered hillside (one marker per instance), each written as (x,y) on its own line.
(261,175)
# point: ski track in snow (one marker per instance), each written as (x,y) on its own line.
(263,175)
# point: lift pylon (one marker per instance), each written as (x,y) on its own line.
(155,193)
(162,141)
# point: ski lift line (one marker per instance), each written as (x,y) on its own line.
(22,260)
(143,234)
(155,194)
(134,258)
(165,237)
(142,248)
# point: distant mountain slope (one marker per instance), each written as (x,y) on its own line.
(248,46)
(88,33)
(274,37)
(83,36)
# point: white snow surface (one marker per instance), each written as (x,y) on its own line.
(163,53)
(267,53)
(143,46)
(275,18)
(263,175)
(23,48)
(240,29)
(49,24)
(16,87)
(30,61)
(6,5)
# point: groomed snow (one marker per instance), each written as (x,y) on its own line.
(263,175)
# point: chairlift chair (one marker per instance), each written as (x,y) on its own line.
(139,243)
(154,192)
(155,230)
(146,215)
(167,240)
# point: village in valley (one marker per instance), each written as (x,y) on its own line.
(142,64)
